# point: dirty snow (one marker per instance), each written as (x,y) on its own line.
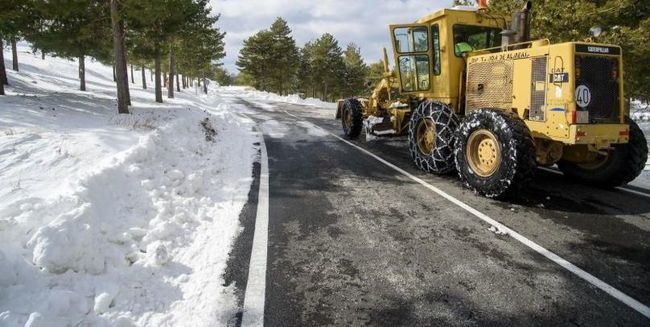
(313,129)
(116,220)
(266,97)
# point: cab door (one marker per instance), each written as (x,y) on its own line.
(413,56)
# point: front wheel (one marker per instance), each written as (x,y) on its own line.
(620,165)
(495,153)
(352,117)
(432,131)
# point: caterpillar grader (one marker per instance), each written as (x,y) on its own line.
(475,95)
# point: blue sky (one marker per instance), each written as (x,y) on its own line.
(364,22)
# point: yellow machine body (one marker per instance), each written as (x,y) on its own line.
(549,86)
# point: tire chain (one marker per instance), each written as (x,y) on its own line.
(441,161)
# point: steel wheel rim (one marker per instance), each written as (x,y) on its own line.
(347,117)
(425,136)
(483,153)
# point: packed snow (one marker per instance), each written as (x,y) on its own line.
(266,97)
(116,220)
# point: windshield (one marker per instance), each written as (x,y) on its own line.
(412,45)
(471,38)
(411,39)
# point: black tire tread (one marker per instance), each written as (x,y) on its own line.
(441,161)
(520,166)
(623,170)
(356,125)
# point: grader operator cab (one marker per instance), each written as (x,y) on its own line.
(475,95)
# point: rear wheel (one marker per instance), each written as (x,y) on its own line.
(620,165)
(352,117)
(494,152)
(432,131)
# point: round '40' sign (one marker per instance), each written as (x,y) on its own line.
(583,96)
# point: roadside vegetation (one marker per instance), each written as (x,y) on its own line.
(175,39)
(271,61)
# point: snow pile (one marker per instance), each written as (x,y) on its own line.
(251,93)
(116,220)
(639,111)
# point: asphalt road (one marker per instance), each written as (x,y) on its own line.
(353,242)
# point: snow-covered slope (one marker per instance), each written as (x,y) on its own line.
(110,219)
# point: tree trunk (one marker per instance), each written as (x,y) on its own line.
(157,79)
(164,78)
(14,53)
(205,86)
(3,72)
(170,82)
(43,55)
(178,85)
(144,80)
(151,75)
(132,78)
(82,73)
(114,77)
(120,59)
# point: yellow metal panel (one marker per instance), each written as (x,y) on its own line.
(521,86)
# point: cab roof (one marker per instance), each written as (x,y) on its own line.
(455,11)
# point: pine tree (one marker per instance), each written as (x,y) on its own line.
(304,80)
(73,29)
(328,67)
(153,24)
(356,71)
(286,56)
(16,20)
(269,58)
(200,46)
(256,58)
(120,58)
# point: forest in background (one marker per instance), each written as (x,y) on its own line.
(176,39)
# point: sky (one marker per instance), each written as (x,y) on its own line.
(364,22)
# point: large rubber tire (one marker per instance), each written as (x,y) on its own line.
(514,161)
(624,163)
(352,118)
(440,157)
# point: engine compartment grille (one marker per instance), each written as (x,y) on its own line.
(601,77)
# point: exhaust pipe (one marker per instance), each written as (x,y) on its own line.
(519,27)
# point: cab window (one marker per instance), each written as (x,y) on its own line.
(414,72)
(435,40)
(471,38)
(411,39)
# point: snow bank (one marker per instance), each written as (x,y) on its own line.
(116,220)
(640,111)
(251,93)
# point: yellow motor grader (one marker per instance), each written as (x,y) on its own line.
(476,95)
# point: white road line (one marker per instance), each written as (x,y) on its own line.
(629,301)
(253,311)
(624,189)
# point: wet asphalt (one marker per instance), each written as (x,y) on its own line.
(353,242)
